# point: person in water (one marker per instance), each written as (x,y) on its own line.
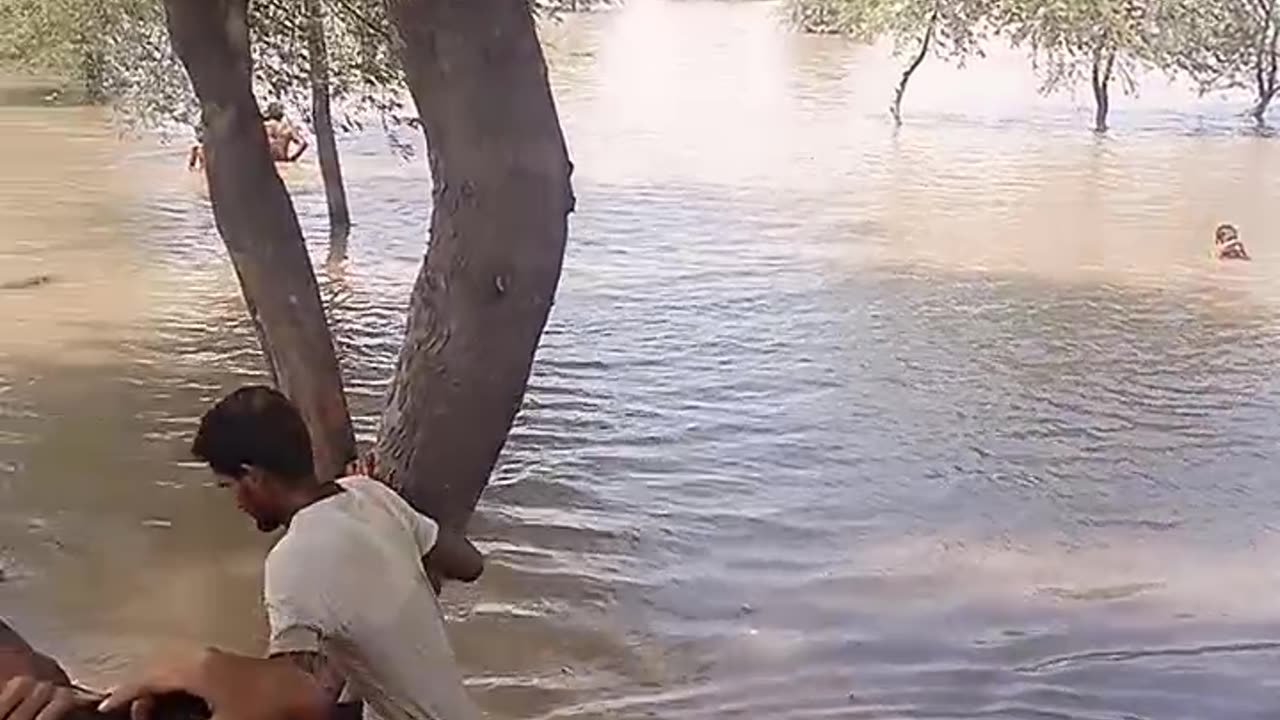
(286,143)
(1227,244)
(195,158)
(349,588)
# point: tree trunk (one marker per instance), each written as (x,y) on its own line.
(502,196)
(335,191)
(1104,62)
(1260,108)
(896,108)
(1266,64)
(256,220)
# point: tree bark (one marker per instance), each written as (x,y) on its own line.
(1104,62)
(257,222)
(1267,64)
(335,191)
(502,196)
(896,108)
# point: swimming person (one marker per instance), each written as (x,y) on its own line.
(286,143)
(349,587)
(195,158)
(1227,244)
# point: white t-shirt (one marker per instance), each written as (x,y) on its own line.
(347,581)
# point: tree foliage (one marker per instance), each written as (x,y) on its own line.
(365,78)
(117,52)
(1223,45)
(1073,41)
(950,29)
(960,25)
(107,51)
(1219,44)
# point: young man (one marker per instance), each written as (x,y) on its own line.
(286,143)
(348,587)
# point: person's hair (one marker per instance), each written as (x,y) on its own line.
(257,427)
(275,111)
(1222,231)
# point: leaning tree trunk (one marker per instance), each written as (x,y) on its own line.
(335,191)
(896,108)
(502,196)
(1104,63)
(256,220)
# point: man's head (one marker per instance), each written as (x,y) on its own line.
(256,443)
(1226,233)
(274,111)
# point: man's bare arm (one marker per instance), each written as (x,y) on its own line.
(297,138)
(234,687)
(326,676)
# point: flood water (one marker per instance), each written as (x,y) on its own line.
(829,421)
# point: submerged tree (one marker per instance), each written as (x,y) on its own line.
(949,29)
(1225,44)
(502,196)
(1073,40)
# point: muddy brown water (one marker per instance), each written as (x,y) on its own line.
(830,421)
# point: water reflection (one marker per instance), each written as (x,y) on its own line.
(830,421)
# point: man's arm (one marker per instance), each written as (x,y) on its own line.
(233,686)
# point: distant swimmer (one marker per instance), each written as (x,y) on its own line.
(195,158)
(1227,244)
(286,143)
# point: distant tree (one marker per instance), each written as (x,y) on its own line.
(949,29)
(1072,40)
(1223,45)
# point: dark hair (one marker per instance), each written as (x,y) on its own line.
(257,427)
(275,111)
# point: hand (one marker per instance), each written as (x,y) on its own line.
(23,698)
(181,673)
(233,686)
